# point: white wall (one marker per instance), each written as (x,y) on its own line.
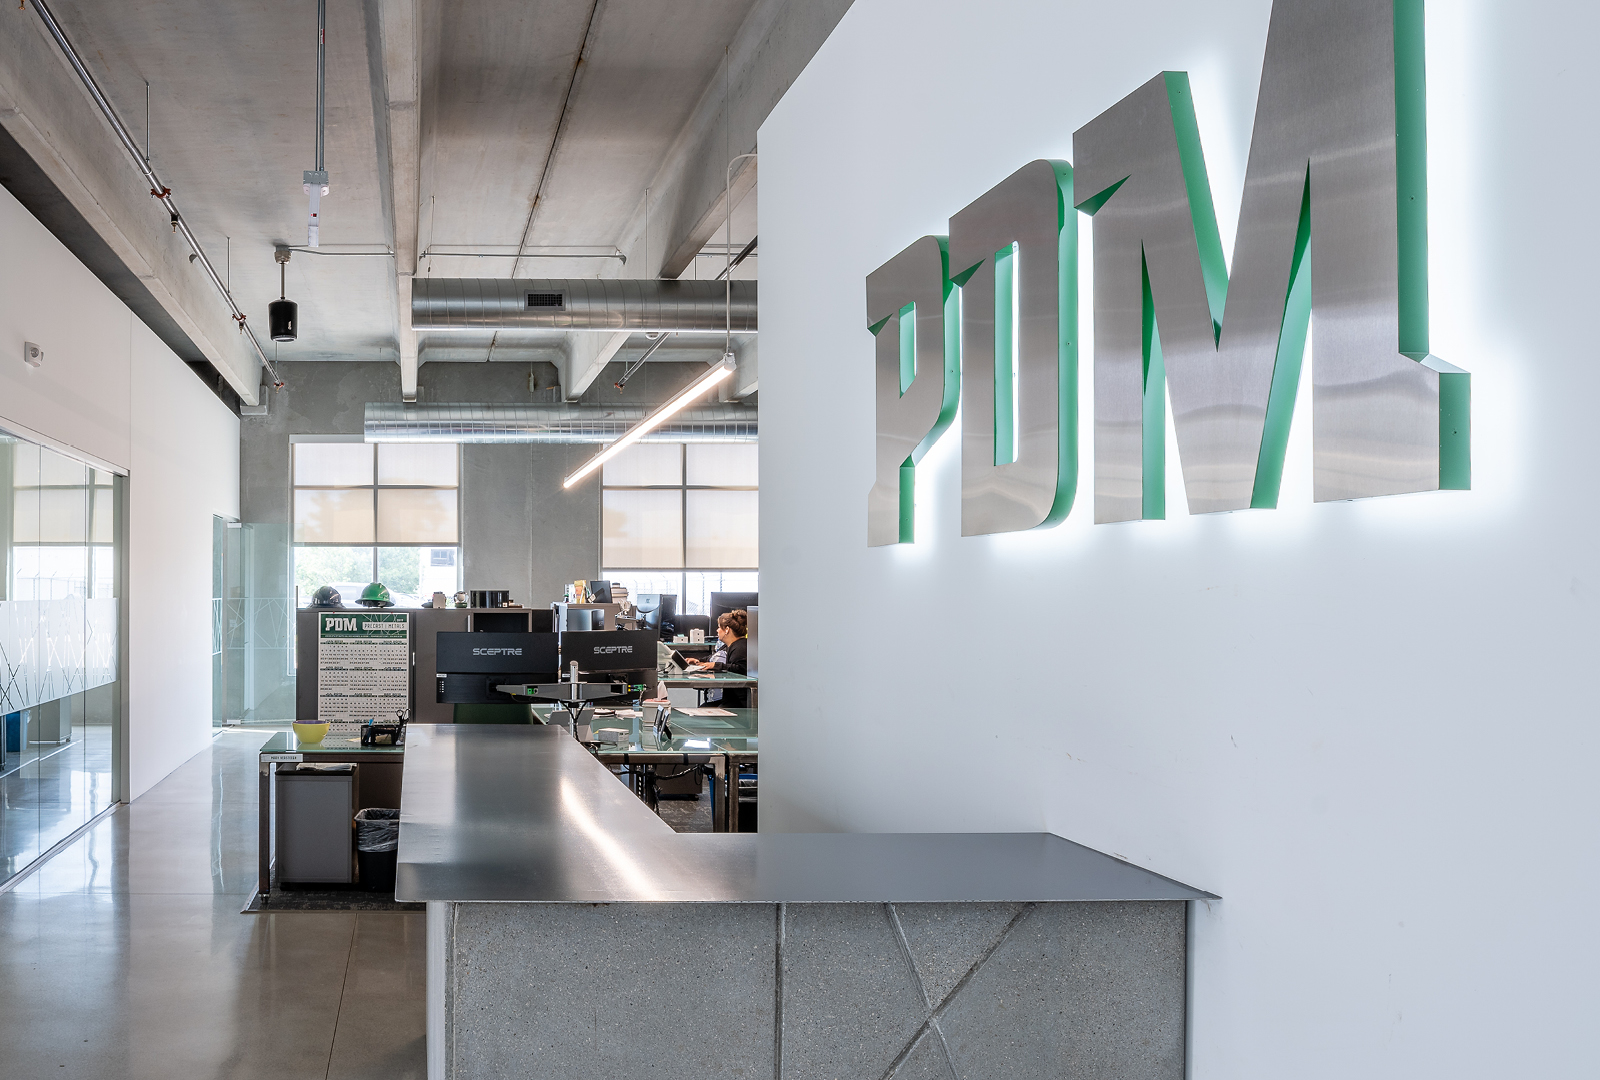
(110,390)
(1368,726)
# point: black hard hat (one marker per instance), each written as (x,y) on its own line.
(326,597)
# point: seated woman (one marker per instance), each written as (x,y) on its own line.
(731,656)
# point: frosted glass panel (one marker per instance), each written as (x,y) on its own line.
(646,465)
(59,647)
(722,464)
(333,517)
(409,516)
(418,464)
(642,529)
(723,529)
(332,464)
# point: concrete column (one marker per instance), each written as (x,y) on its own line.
(520,529)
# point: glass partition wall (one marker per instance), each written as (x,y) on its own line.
(61,541)
(252,627)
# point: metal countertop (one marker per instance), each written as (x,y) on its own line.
(513,813)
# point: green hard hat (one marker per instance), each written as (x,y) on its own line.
(375,595)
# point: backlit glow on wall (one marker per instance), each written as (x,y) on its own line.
(1338,716)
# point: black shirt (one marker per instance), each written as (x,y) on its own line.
(738,663)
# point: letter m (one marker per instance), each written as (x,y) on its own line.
(1333,224)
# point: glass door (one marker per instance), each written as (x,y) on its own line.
(253,666)
(60,700)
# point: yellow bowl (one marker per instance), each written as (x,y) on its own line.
(310,733)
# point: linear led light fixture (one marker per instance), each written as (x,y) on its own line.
(656,419)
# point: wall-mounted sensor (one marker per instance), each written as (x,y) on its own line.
(32,354)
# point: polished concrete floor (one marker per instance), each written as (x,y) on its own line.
(125,956)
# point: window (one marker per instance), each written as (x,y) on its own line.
(386,512)
(682,518)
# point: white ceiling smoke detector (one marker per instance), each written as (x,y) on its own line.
(32,355)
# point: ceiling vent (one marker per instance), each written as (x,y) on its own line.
(611,304)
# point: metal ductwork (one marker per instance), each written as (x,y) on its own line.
(393,422)
(581,304)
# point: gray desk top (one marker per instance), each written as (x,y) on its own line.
(285,742)
(514,813)
(709,680)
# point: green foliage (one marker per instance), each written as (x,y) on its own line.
(315,567)
(401,569)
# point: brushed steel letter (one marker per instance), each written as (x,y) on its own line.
(1333,221)
(912,310)
(1019,383)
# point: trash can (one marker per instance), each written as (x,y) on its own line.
(377,847)
(314,804)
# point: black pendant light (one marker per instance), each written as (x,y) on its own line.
(283,316)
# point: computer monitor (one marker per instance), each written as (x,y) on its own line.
(609,650)
(659,609)
(492,653)
(470,665)
(687,623)
(601,591)
(731,601)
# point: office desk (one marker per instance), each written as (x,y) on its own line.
(692,646)
(723,742)
(378,779)
(711,680)
(550,890)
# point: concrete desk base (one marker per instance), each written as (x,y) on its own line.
(571,935)
(600,991)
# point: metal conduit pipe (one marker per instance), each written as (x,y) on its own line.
(465,423)
(158,190)
(633,368)
(640,304)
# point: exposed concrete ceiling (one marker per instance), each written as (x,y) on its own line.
(496,126)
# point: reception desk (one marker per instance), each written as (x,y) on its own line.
(572,934)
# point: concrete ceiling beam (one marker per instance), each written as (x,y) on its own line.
(46,109)
(587,355)
(397,97)
(687,194)
(747,376)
